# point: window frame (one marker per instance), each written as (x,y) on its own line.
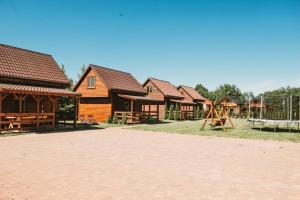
(90,80)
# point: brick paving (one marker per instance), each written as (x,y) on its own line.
(117,163)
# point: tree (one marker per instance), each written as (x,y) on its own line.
(202,90)
(81,72)
(115,119)
(63,69)
(176,117)
(227,90)
(171,112)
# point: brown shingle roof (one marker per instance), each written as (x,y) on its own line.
(25,64)
(35,89)
(166,88)
(141,98)
(192,92)
(118,80)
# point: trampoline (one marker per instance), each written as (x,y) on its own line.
(275,112)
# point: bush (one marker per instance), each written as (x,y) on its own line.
(124,119)
(109,120)
(176,117)
(166,111)
(115,119)
(171,112)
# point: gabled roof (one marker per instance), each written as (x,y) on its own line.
(165,87)
(231,99)
(192,93)
(29,65)
(115,80)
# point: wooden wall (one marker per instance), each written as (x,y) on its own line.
(99,108)
(100,89)
(187,97)
(157,94)
(94,101)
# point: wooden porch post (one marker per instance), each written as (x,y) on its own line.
(75,111)
(131,110)
(37,112)
(149,111)
(157,112)
(0,112)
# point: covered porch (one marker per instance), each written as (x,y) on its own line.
(138,109)
(186,109)
(30,107)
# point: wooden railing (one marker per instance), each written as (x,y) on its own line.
(15,121)
(136,117)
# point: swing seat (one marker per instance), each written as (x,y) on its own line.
(217,121)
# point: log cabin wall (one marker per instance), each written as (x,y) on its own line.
(156,94)
(187,97)
(95,101)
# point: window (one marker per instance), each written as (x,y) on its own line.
(149,89)
(91,81)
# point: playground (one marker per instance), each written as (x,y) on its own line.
(242,129)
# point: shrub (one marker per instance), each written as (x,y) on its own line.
(115,119)
(124,119)
(171,112)
(166,111)
(109,120)
(176,117)
(195,112)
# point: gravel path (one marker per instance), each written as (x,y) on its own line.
(117,163)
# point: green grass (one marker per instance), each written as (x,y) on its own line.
(241,130)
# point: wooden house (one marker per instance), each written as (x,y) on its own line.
(234,107)
(191,95)
(107,92)
(30,85)
(165,91)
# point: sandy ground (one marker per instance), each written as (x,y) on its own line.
(125,164)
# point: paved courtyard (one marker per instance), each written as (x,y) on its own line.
(117,163)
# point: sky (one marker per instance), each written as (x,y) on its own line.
(254,44)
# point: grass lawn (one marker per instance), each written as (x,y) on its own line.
(242,130)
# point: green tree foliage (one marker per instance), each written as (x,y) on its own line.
(176,116)
(66,104)
(227,90)
(81,72)
(115,119)
(109,120)
(124,119)
(171,112)
(166,111)
(202,90)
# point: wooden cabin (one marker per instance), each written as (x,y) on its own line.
(234,107)
(191,95)
(30,85)
(165,91)
(107,92)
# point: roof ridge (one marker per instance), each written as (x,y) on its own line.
(22,49)
(186,86)
(160,80)
(93,65)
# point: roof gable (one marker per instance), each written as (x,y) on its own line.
(166,88)
(115,80)
(29,65)
(192,93)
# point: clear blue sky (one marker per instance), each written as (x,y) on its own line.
(253,44)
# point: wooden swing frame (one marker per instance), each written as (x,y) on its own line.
(223,114)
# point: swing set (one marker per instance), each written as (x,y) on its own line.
(217,118)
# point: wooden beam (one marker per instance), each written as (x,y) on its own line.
(75,111)
(157,112)
(1,97)
(38,112)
